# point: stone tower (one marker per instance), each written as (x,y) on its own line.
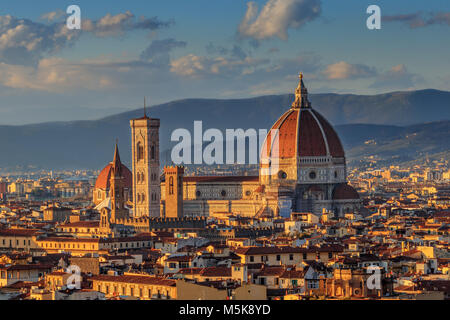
(117,189)
(145,155)
(174,191)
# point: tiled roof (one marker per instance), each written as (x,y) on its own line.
(216,272)
(344,192)
(81,224)
(286,249)
(306,132)
(136,279)
(103,179)
(19,232)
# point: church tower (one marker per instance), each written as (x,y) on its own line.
(117,189)
(145,155)
(174,192)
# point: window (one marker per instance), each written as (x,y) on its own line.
(304,256)
(278,257)
(140,151)
(152,151)
(291,257)
(330,255)
(312,175)
(282,175)
(252,259)
(171,185)
(313,285)
(223,193)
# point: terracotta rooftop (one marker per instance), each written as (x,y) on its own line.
(137,279)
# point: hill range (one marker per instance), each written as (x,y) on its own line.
(396,127)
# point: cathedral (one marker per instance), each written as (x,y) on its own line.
(305,171)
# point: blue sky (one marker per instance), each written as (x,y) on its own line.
(169,50)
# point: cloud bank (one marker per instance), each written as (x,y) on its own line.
(276,17)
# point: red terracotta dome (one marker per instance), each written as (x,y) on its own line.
(345,192)
(304,132)
(103,179)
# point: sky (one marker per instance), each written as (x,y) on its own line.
(176,49)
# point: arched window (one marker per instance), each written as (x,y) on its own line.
(152,152)
(140,151)
(171,185)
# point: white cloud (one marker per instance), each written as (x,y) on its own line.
(398,77)
(53,15)
(420,19)
(193,65)
(158,52)
(344,70)
(276,17)
(53,75)
(117,25)
(26,42)
(23,41)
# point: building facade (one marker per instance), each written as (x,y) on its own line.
(146,171)
(302,169)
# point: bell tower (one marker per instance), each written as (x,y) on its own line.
(145,157)
(116,190)
(174,192)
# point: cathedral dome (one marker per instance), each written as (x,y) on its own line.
(304,132)
(103,179)
(345,192)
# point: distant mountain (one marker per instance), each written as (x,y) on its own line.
(396,144)
(385,118)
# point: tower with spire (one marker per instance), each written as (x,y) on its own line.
(117,189)
(146,171)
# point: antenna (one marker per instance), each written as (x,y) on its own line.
(145,109)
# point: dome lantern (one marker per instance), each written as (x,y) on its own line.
(301,95)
